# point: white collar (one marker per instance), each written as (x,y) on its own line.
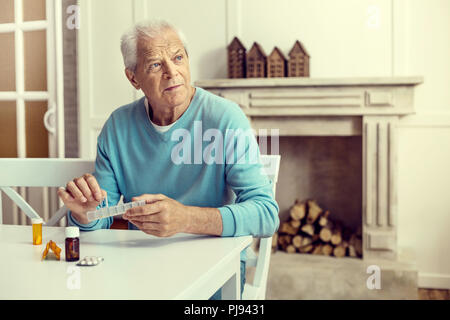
(157,127)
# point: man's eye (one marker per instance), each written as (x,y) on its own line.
(154,66)
(179,58)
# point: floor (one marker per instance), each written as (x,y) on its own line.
(434,294)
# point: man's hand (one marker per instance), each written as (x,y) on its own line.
(164,217)
(81,195)
(161,216)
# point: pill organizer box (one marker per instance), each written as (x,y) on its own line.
(113,211)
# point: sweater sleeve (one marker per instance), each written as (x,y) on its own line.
(106,179)
(255,211)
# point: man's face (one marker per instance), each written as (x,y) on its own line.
(162,70)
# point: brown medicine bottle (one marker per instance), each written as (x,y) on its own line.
(72,244)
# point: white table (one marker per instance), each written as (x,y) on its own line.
(136,266)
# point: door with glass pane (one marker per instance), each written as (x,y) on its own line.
(31,92)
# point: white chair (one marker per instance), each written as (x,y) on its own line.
(39,172)
(257,289)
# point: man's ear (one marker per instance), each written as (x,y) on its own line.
(132,78)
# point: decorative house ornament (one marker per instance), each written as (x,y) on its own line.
(298,65)
(276,64)
(256,62)
(236,59)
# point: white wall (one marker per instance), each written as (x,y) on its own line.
(424,142)
(345,38)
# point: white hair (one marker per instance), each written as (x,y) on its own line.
(146,28)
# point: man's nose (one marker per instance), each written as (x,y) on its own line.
(170,69)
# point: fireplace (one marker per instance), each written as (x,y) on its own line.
(337,144)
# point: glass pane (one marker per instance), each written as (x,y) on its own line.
(7,11)
(36,134)
(7,62)
(8,129)
(33,10)
(35,60)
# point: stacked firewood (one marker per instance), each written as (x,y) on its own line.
(309,229)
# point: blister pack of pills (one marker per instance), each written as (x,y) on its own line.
(113,211)
(89,261)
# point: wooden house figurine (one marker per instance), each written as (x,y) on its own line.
(256,62)
(298,65)
(236,59)
(276,64)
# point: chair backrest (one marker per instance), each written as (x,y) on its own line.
(39,172)
(271,164)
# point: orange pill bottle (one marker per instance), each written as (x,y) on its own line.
(37,230)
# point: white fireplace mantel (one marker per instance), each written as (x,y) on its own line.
(367,107)
(316,107)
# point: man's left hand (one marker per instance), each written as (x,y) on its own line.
(160,216)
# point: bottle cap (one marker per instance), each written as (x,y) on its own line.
(37,221)
(72,232)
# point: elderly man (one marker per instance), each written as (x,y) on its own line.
(138,153)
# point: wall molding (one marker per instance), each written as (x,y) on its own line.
(434,280)
(233,19)
(84,51)
(400,15)
(140,10)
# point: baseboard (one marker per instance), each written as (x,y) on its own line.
(434,280)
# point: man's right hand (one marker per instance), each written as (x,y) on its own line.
(81,195)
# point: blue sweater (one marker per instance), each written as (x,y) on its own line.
(134,158)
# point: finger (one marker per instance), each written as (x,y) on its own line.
(137,224)
(75,192)
(149,198)
(145,226)
(64,195)
(104,194)
(152,229)
(84,188)
(155,218)
(143,210)
(94,186)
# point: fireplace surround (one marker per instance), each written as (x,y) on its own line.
(367,109)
